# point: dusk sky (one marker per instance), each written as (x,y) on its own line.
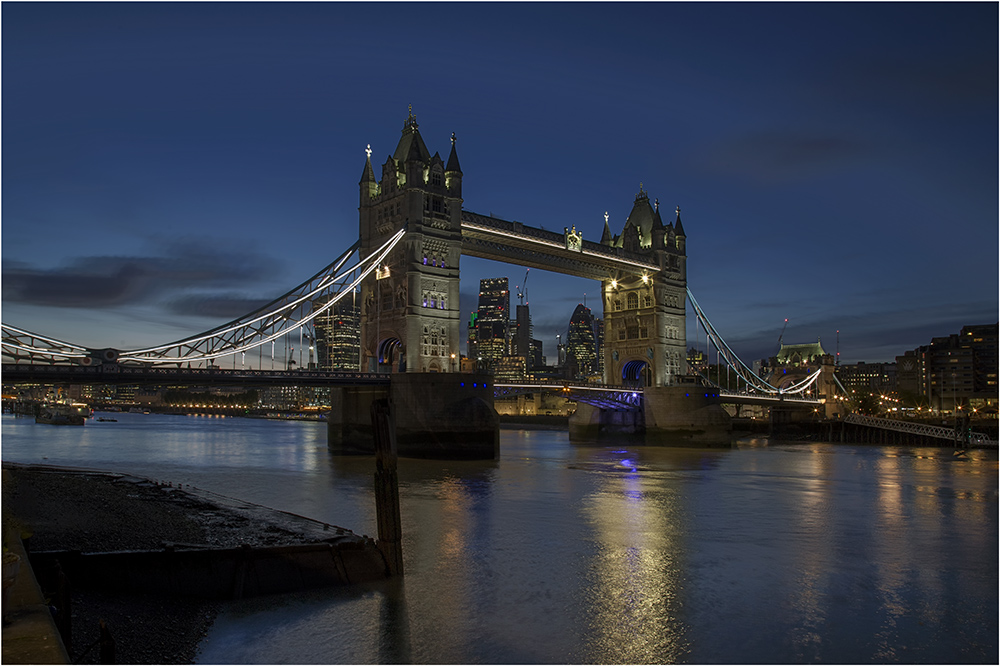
(169,167)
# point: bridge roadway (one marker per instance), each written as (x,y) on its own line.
(766,399)
(615,397)
(23,373)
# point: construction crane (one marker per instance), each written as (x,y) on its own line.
(522,291)
(782,333)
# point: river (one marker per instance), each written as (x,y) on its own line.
(561,553)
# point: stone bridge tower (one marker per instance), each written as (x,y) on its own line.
(645,339)
(410,319)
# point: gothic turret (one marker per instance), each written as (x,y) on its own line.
(679,230)
(453,171)
(369,186)
(606,238)
(657,232)
(641,218)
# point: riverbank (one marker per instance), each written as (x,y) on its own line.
(58,509)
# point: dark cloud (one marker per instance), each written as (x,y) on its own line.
(112,281)
(222,306)
(781,155)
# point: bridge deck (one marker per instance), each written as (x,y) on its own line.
(125,374)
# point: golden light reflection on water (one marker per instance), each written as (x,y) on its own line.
(635,593)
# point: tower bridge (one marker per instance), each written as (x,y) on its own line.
(413,231)
(410,320)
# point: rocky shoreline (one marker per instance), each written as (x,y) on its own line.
(59,509)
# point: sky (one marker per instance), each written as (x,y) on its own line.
(167,167)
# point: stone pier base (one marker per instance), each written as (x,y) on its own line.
(687,415)
(438,415)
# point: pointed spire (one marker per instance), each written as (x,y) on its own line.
(657,220)
(368,176)
(606,236)
(453,164)
(411,121)
(678,229)
(411,146)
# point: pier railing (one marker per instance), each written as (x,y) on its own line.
(977,439)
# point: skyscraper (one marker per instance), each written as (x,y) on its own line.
(338,335)
(581,345)
(522,335)
(493,320)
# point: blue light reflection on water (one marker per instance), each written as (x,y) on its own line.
(569,554)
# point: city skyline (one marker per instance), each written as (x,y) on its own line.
(170,167)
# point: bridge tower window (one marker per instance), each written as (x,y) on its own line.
(647,301)
(632,301)
(618,305)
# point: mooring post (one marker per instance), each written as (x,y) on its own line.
(387,486)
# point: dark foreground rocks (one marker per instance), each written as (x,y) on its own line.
(60,510)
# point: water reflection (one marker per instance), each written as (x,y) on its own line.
(635,579)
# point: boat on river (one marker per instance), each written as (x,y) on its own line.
(60,414)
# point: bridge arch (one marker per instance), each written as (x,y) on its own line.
(637,373)
(390,354)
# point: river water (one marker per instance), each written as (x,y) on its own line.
(561,553)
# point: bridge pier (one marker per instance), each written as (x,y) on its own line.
(789,421)
(685,415)
(437,415)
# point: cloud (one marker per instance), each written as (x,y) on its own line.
(113,281)
(780,155)
(220,306)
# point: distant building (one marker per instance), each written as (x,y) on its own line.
(581,344)
(809,353)
(875,378)
(338,335)
(493,320)
(958,370)
(599,344)
(472,348)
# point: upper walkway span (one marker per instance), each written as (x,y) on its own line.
(487,237)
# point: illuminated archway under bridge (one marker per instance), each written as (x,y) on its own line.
(597,395)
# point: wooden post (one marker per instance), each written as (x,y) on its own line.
(387,486)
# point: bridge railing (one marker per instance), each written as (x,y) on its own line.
(770,397)
(922,429)
(122,373)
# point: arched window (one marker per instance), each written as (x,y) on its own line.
(632,300)
(618,305)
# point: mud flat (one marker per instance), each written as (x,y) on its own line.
(118,538)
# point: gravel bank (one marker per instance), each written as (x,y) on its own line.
(95,512)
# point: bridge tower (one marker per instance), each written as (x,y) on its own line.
(645,339)
(410,319)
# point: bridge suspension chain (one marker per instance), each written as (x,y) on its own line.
(734,361)
(741,369)
(281,316)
